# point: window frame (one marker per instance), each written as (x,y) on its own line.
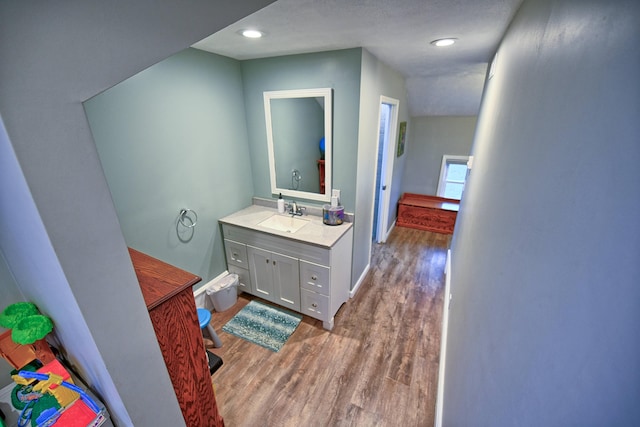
(448,159)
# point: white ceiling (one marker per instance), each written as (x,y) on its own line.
(440,81)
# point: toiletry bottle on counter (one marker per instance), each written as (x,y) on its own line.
(280,204)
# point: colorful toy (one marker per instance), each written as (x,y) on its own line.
(61,403)
(44,391)
(56,375)
(28,329)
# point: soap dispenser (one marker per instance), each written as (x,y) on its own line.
(280,204)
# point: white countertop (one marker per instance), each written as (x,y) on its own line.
(315,232)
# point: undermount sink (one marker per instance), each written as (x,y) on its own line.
(287,224)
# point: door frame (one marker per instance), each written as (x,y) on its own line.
(386,178)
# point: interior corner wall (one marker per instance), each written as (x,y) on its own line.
(31,258)
(9,294)
(69,257)
(339,70)
(543,324)
(377,80)
(171,137)
(431,138)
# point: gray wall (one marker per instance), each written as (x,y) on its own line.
(172,137)
(176,135)
(432,138)
(136,130)
(69,256)
(377,80)
(339,70)
(545,313)
(9,293)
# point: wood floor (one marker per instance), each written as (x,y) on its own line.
(379,365)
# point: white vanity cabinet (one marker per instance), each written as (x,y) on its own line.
(313,279)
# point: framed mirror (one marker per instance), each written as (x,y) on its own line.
(299,142)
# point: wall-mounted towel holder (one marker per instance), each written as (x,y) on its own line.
(184,213)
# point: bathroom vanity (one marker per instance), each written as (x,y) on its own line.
(296,262)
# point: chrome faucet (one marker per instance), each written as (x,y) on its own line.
(294,209)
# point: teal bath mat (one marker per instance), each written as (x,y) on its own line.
(262,324)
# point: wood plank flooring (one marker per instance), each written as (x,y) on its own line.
(379,365)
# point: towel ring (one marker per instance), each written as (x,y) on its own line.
(184,213)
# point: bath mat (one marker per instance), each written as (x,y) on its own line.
(262,324)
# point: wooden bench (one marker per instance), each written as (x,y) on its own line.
(430,213)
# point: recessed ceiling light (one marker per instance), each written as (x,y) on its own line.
(444,42)
(252,34)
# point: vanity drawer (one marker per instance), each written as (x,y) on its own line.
(236,253)
(314,304)
(315,277)
(244,278)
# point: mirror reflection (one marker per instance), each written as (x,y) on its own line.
(299,142)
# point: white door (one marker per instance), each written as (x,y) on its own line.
(388,126)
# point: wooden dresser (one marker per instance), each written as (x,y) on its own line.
(169,298)
(429,213)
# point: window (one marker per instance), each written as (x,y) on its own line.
(453,173)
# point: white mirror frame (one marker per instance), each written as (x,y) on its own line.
(328,141)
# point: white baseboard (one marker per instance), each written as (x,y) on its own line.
(200,294)
(386,236)
(354,291)
(443,341)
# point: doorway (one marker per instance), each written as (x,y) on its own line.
(387,126)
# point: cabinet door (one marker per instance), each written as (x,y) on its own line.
(286,281)
(261,269)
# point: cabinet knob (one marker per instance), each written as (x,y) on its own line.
(267,261)
(314,305)
(314,277)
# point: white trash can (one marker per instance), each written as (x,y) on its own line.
(224,292)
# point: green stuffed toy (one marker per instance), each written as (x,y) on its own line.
(26,323)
